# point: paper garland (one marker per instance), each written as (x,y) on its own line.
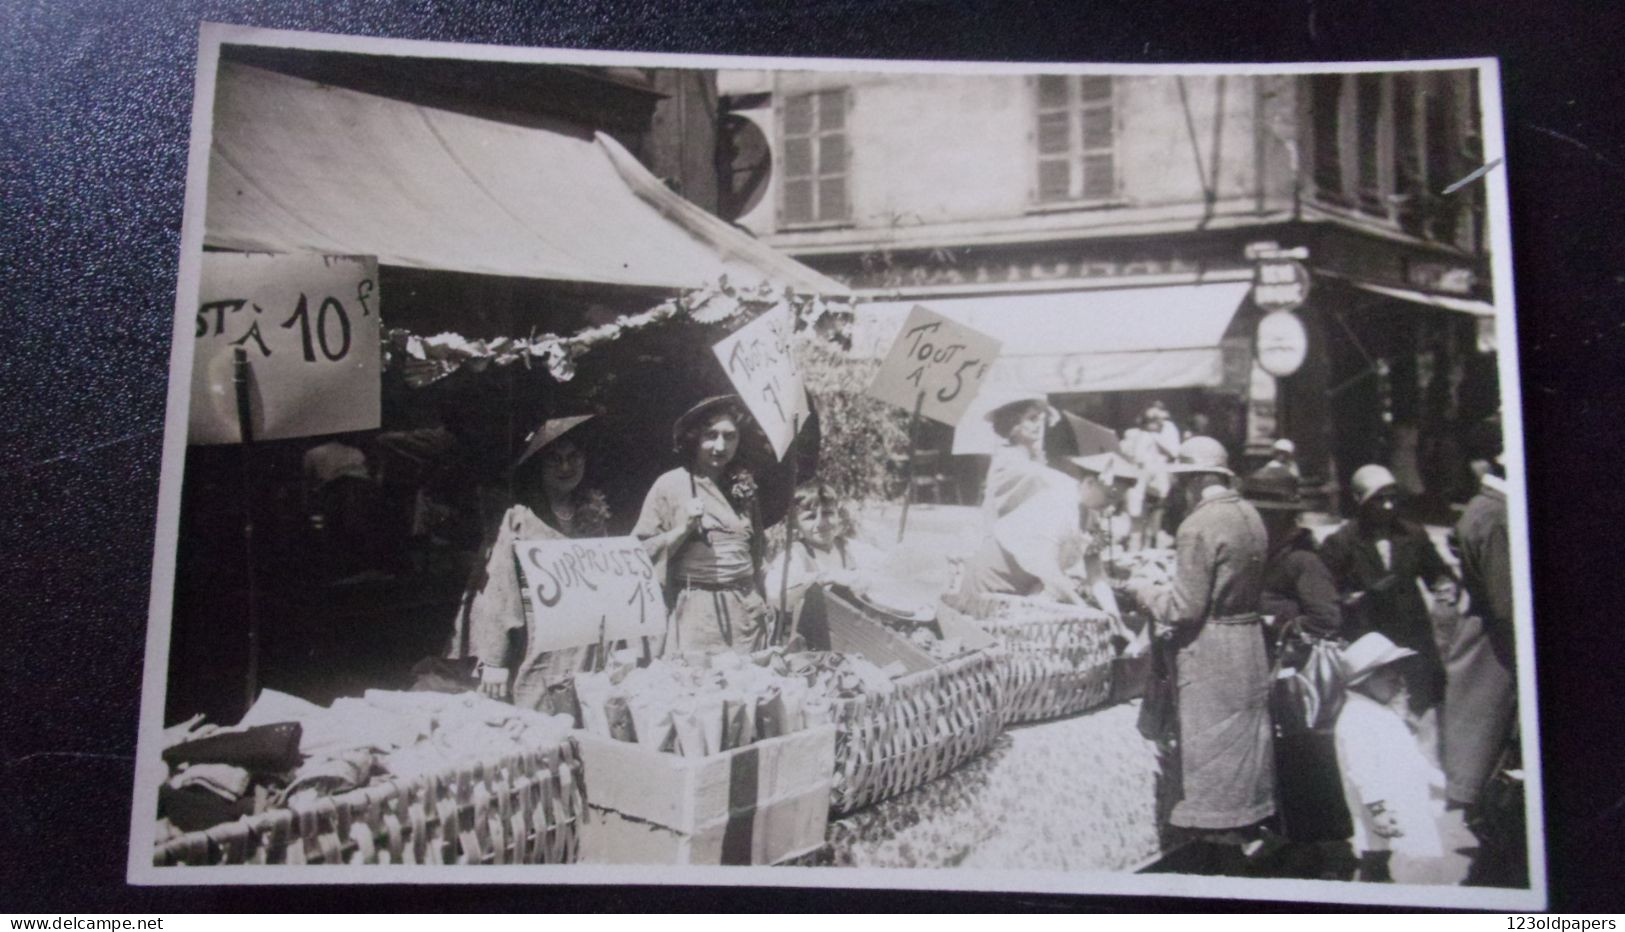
(428,359)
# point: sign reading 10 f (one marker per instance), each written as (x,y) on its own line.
(307,325)
(332,323)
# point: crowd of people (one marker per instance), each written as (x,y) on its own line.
(1393,645)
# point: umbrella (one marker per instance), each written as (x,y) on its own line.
(1077,436)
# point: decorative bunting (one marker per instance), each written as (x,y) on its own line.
(424,360)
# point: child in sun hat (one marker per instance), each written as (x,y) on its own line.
(1386,778)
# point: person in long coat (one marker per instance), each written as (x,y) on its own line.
(1210,613)
(1481,692)
(1377,559)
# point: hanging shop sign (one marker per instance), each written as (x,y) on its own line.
(1282,343)
(1280,284)
(307,328)
(759,362)
(935,365)
(581,592)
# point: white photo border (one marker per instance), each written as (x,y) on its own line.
(148,770)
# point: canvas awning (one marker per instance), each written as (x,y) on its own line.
(296,166)
(1084,341)
(1446,302)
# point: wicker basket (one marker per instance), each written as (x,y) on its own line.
(1057,658)
(518,809)
(935,720)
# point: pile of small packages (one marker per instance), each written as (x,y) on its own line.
(369,779)
(696,707)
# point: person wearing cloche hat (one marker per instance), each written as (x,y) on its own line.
(1297,585)
(1376,559)
(1208,613)
(1386,777)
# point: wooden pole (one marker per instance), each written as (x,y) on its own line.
(789,521)
(240,375)
(908,471)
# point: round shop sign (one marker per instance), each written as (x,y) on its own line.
(1282,343)
(1280,285)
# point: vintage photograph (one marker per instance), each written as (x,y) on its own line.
(585,467)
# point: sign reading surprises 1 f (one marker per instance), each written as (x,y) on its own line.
(935,362)
(579,591)
(763,369)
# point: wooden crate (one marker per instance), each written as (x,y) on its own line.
(759,804)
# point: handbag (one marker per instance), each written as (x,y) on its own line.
(1159,711)
(1306,684)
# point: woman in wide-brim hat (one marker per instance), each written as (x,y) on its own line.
(1031,511)
(701,525)
(493,624)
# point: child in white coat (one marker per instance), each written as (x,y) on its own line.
(1386,778)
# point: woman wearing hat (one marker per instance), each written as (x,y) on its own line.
(496,624)
(1208,615)
(1376,560)
(1299,593)
(1031,512)
(699,525)
(1386,778)
(1152,445)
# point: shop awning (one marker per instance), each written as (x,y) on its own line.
(1447,302)
(1084,341)
(296,166)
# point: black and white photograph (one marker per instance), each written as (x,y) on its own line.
(628,467)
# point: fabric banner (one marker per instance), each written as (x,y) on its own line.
(308,327)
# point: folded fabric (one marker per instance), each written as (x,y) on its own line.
(224,780)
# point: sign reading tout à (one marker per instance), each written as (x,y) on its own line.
(307,326)
(763,369)
(936,364)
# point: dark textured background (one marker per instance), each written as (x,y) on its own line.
(95,102)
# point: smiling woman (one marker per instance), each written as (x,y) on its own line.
(700,524)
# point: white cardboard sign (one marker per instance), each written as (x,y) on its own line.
(309,327)
(759,362)
(936,361)
(581,590)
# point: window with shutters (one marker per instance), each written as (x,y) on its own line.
(814,162)
(1076,139)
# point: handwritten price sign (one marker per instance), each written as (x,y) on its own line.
(309,328)
(945,360)
(763,370)
(578,588)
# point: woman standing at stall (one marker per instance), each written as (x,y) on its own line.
(700,527)
(496,625)
(1031,511)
